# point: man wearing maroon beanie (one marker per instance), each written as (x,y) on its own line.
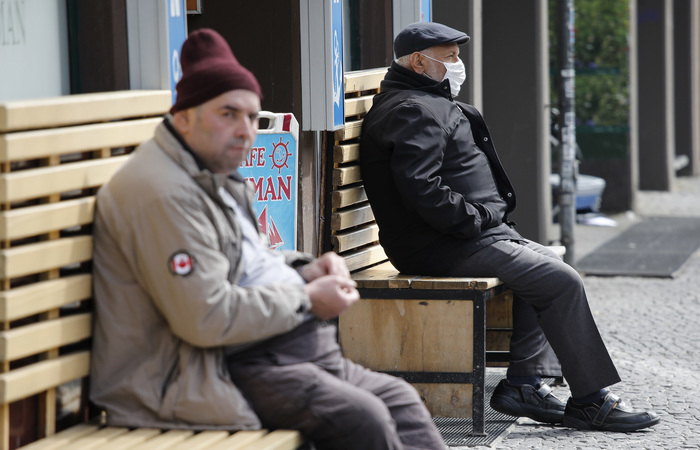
(200,326)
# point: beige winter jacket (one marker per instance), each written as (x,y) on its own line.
(166,259)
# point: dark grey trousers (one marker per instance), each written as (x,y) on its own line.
(552,322)
(301,381)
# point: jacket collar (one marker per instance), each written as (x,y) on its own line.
(172,143)
(401,78)
(183,144)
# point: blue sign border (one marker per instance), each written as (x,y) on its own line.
(426,11)
(338,73)
(177,33)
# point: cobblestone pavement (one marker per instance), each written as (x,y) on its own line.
(652,329)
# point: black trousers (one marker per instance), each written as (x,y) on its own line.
(552,322)
(301,381)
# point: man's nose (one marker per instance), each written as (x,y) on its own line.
(247,128)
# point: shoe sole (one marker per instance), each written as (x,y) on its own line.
(508,406)
(572,422)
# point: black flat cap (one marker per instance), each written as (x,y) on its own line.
(421,35)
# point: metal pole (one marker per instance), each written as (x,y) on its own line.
(567,125)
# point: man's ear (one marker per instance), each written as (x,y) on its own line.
(417,62)
(182,121)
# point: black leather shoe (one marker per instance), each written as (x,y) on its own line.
(613,415)
(523,400)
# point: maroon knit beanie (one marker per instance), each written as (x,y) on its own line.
(208,70)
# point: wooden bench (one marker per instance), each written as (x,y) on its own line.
(54,154)
(432,331)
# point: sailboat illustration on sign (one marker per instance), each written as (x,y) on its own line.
(267,225)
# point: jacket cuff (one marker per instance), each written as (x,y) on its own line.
(304,304)
(297,259)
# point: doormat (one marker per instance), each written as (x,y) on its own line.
(656,247)
(456,431)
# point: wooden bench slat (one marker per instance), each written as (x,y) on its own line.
(165,441)
(202,440)
(41,182)
(456,283)
(57,141)
(278,440)
(43,296)
(132,438)
(38,377)
(239,440)
(62,438)
(344,153)
(351,217)
(385,276)
(362,258)
(342,176)
(364,80)
(348,196)
(42,256)
(382,276)
(98,439)
(39,337)
(82,108)
(88,436)
(40,219)
(345,241)
(358,105)
(352,129)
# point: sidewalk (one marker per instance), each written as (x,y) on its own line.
(652,329)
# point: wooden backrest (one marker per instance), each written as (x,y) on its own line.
(54,155)
(350,229)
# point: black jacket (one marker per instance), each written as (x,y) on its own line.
(432,175)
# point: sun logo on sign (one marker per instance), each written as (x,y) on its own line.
(280,155)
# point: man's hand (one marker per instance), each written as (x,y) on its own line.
(331,295)
(328,264)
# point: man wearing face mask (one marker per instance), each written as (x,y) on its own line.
(441,199)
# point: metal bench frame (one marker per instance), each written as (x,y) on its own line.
(478,295)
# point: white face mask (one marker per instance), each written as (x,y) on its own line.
(456,73)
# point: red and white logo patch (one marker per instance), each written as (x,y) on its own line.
(181,263)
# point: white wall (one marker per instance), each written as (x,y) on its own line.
(33,49)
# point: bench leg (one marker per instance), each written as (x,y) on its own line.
(479,370)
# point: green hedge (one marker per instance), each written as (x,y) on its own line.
(601,52)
